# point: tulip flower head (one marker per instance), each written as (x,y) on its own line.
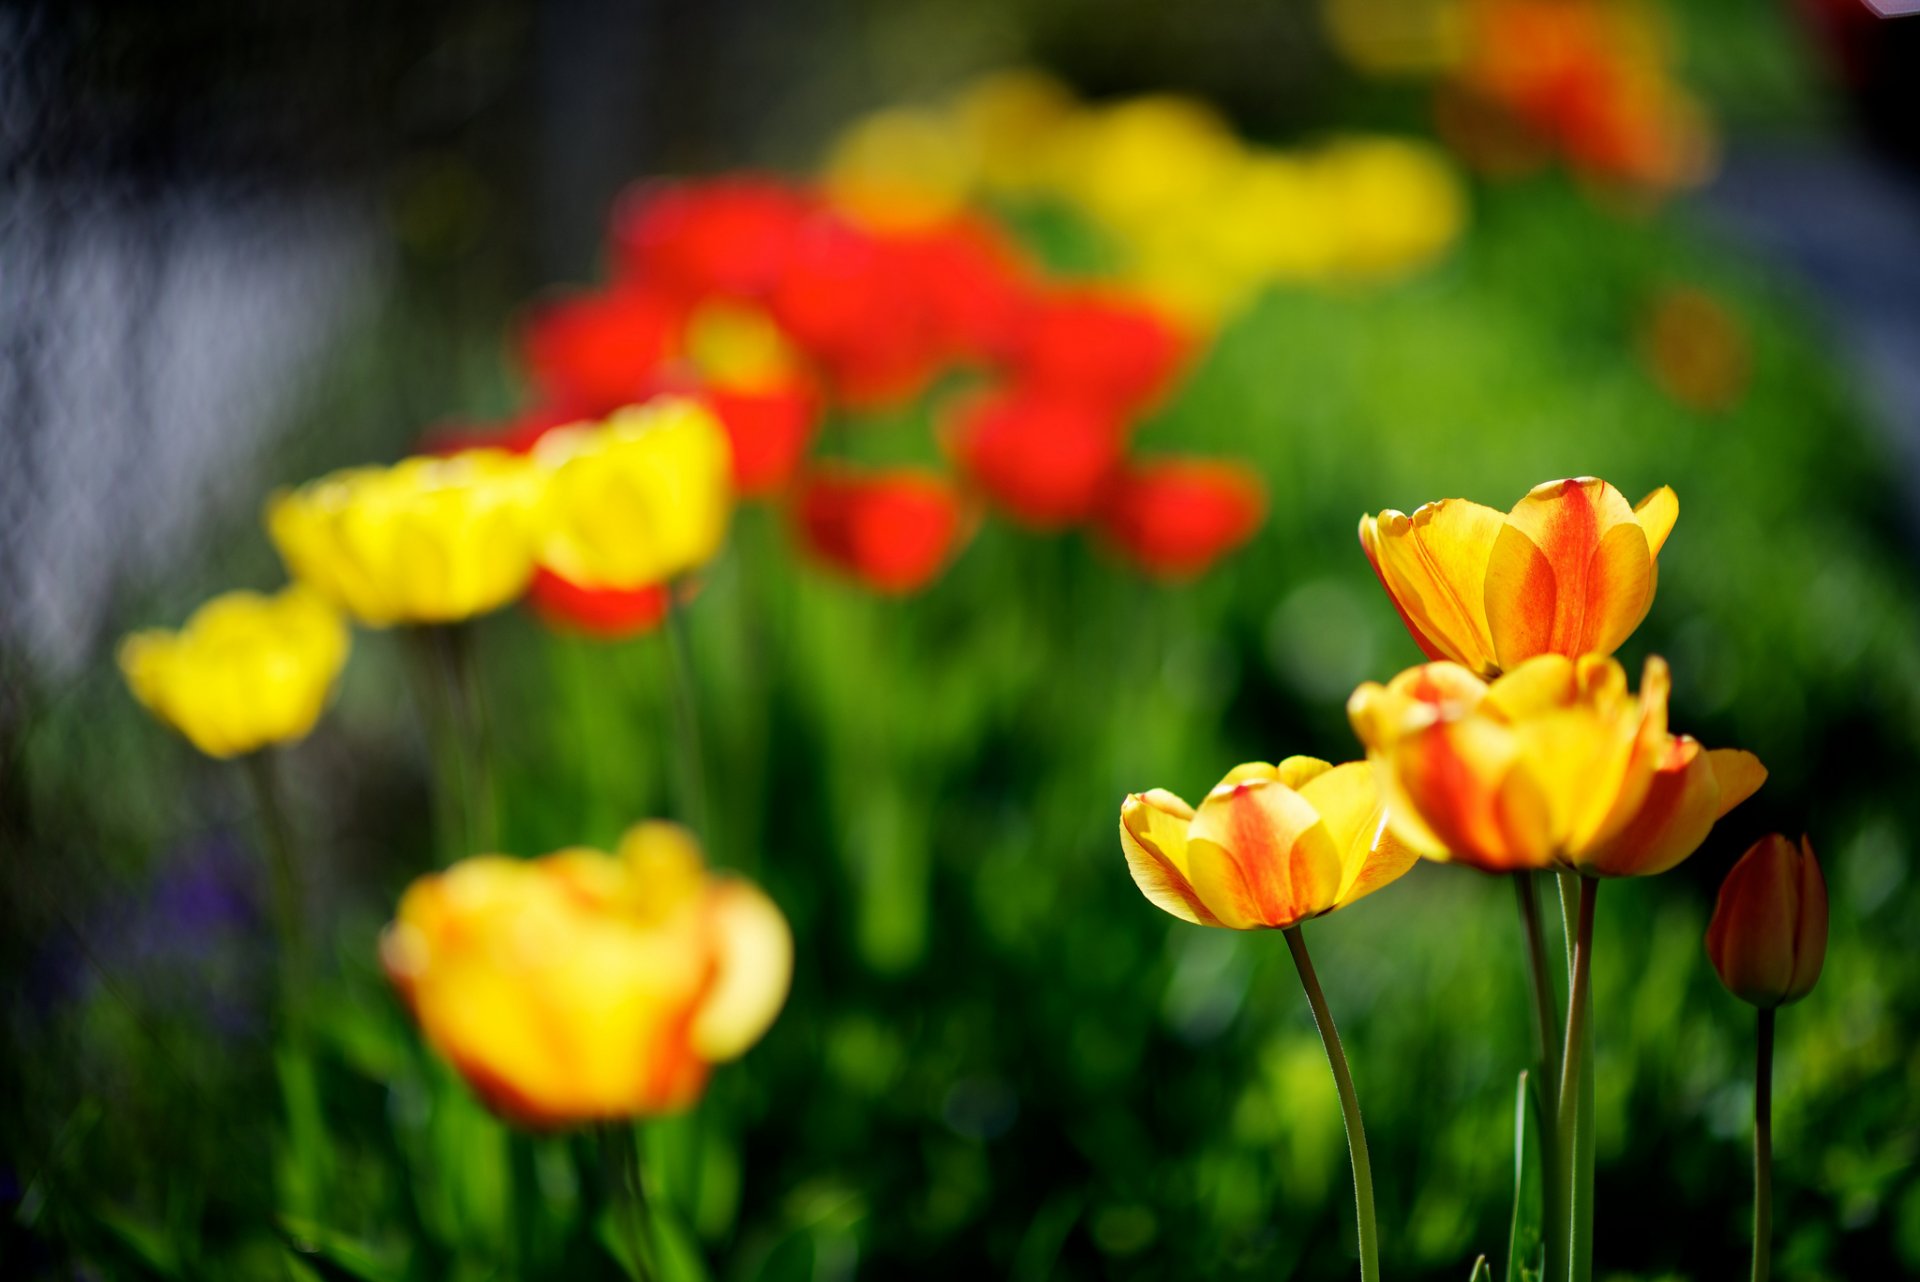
(583,986)
(1570,570)
(1044,461)
(1768,937)
(245,672)
(428,540)
(1175,517)
(1554,763)
(1269,847)
(640,500)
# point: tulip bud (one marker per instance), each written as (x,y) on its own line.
(1768,936)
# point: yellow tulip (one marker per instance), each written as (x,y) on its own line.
(1397,204)
(1570,570)
(643,499)
(1147,159)
(1768,937)
(1009,121)
(428,540)
(1554,763)
(1269,847)
(899,170)
(246,671)
(583,986)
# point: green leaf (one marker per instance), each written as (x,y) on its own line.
(334,1256)
(1525,1247)
(1482,1271)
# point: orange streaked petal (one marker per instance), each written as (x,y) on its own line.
(1434,564)
(1284,867)
(1153,835)
(1588,587)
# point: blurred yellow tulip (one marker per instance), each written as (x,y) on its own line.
(642,499)
(1570,570)
(1398,204)
(584,986)
(1768,937)
(1554,763)
(899,170)
(428,540)
(1269,847)
(1008,122)
(246,671)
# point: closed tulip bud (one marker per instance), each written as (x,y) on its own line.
(892,530)
(1554,763)
(1570,570)
(428,540)
(584,987)
(643,499)
(1768,937)
(245,672)
(1269,847)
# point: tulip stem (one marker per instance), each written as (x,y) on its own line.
(686,720)
(1349,1106)
(475,735)
(1763,1149)
(1575,1138)
(620,1143)
(285,877)
(1546,1018)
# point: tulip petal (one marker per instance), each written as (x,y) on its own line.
(1296,772)
(1259,856)
(1153,835)
(1810,929)
(1681,803)
(1348,800)
(1656,513)
(1434,565)
(1739,774)
(1588,587)
(753,966)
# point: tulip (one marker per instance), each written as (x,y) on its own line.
(1552,764)
(1176,517)
(592,353)
(849,300)
(727,237)
(768,433)
(245,672)
(607,613)
(753,378)
(583,986)
(893,530)
(1113,352)
(1570,570)
(975,286)
(1044,461)
(428,540)
(900,169)
(1768,936)
(1270,847)
(641,500)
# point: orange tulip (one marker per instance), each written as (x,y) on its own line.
(584,987)
(1269,847)
(1768,936)
(1555,763)
(1570,570)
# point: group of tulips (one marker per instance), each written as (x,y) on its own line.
(1519,749)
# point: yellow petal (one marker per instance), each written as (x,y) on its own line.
(1739,774)
(1259,856)
(1570,573)
(1153,836)
(1296,772)
(753,965)
(1656,513)
(1348,800)
(1434,565)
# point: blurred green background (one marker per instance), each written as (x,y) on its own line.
(998,1060)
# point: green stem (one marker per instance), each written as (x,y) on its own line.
(433,696)
(1575,1137)
(474,735)
(288,923)
(1349,1107)
(1763,1149)
(620,1145)
(686,721)
(1547,1029)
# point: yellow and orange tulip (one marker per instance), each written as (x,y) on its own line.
(428,540)
(583,986)
(246,671)
(1270,846)
(1768,937)
(1570,570)
(1554,763)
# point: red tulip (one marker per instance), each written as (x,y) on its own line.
(1043,461)
(769,431)
(893,530)
(974,285)
(849,300)
(607,613)
(592,353)
(1175,517)
(729,237)
(1116,353)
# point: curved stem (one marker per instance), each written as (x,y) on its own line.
(1349,1106)
(1575,1131)
(1763,1149)
(1546,1018)
(620,1145)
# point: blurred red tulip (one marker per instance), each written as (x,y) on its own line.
(894,529)
(1120,354)
(1175,517)
(975,287)
(608,613)
(728,237)
(850,301)
(1041,460)
(769,431)
(592,353)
